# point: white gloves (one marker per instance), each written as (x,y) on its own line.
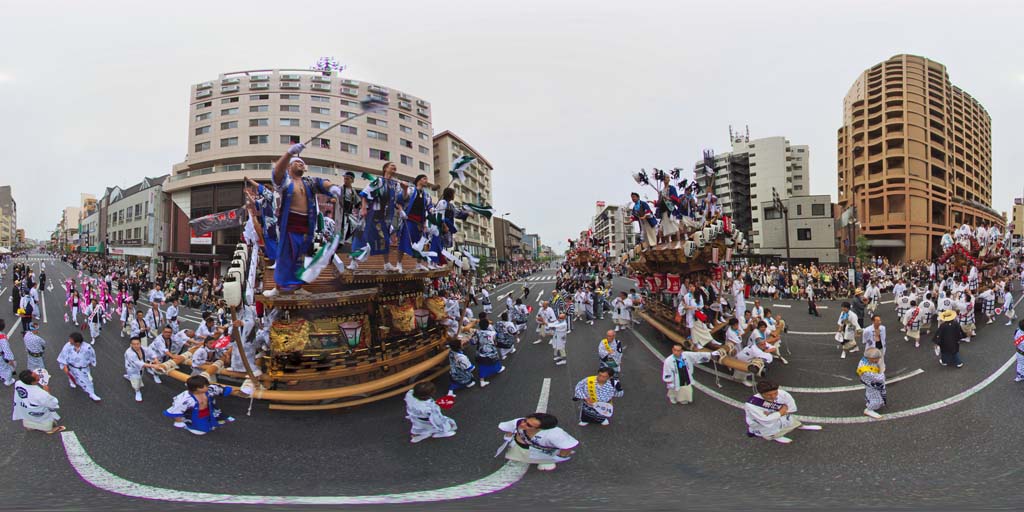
(296,149)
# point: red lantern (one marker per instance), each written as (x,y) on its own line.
(659,282)
(674,283)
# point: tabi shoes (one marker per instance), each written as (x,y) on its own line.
(138,396)
(273,292)
(442,435)
(605,423)
(538,341)
(582,424)
(156,378)
(783,440)
(398,268)
(389,267)
(421,268)
(72,384)
(872,414)
(546,467)
(353,266)
(94,397)
(484,383)
(196,432)
(842,354)
(418,438)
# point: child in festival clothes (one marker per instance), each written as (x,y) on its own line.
(425,415)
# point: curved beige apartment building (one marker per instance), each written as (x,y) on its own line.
(915,157)
(240,123)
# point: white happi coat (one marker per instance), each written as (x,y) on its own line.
(623,311)
(34,405)
(133,365)
(79,364)
(670,369)
(544,445)
(426,417)
(6,369)
(764,423)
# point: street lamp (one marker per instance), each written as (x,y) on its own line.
(779,205)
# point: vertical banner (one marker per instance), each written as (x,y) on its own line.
(728,254)
(714,255)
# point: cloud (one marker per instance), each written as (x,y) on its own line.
(6,77)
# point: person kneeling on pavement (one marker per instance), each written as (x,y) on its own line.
(536,439)
(769,414)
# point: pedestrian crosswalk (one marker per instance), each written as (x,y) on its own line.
(34,257)
(540,279)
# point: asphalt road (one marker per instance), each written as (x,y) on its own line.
(653,457)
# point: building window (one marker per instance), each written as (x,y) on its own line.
(798,187)
(349,148)
(229,100)
(290,97)
(379,154)
(320,110)
(424,150)
(405,129)
(287,121)
(404,117)
(349,130)
(818,210)
(799,210)
(320,143)
(771,214)
(229,111)
(259,97)
(422,124)
(803,233)
(204,116)
(202,146)
(138,211)
(424,136)
(259,139)
(319,125)
(263,121)
(376,122)
(230,141)
(406,160)
(259,108)
(229,125)
(403,142)
(202,130)
(289,108)
(290,139)
(376,135)
(320,99)
(205,104)
(349,103)
(425,167)
(346,114)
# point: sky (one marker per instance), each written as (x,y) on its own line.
(565,98)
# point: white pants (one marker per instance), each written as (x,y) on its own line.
(681,395)
(83,378)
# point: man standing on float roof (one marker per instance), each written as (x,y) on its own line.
(297,218)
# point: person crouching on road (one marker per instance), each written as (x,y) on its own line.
(425,415)
(33,403)
(536,439)
(769,414)
(195,409)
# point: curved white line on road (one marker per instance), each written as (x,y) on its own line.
(843,389)
(98,477)
(808,333)
(849,420)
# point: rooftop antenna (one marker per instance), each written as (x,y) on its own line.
(748,133)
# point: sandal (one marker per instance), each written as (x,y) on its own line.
(58,428)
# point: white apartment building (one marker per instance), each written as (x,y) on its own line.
(745,177)
(611,223)
(476,233)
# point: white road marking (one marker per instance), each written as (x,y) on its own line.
(94,474)
(42,298)
(842,389)
(782,305)
(849,420)
(886,301)
(808,333)
(13,327)
(2,290)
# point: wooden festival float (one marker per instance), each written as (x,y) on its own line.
(662,269)
(356,337)
(966,252)
(584,257)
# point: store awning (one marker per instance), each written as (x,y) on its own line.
(886,243)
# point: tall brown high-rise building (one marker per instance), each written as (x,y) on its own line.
(915,157)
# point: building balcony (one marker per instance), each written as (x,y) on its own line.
(321,87)
(203,94)
(259,78)
(291,77)
(350,83)
(229,81)
(405,105)
(290,85)
(259,86)
(321,79)
(204,85)
(229,89)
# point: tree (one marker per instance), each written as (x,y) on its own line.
(863,248)
(483,266)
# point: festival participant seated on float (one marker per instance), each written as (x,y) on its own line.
(677,373)
(381,199)
(873,378)
(33,403)
(595,394)
(416,204)
(425,415)
(758,353)
(536,439)
(135,359)
(297,218)
(195,409)
(769,414)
